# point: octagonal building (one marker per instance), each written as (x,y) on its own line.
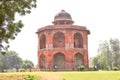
(62,45)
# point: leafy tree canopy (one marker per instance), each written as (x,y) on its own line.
(10,60)
(27,64)
(9,28)
(109,55)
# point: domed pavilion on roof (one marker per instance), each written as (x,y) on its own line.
(63,46)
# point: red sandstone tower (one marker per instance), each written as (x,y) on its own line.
(62,44)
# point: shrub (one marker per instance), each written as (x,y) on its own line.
(115,68)
(108,68)
(5,70)
(80,68)
(21,70)
(63,79)
(29,77)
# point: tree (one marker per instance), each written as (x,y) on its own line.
(0,63)
(104,49)
(99,61)
(108,54)
(27,64)
(9,27)
(10,60)
(115,50)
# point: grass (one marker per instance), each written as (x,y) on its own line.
(87,75)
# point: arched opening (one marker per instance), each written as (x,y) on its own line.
(58,40)
(78,60)
(42,41)
(78,42)
(42,61)
(59,60)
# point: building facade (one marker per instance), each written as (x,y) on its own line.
(62,45)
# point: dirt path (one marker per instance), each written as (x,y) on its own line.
(51,77)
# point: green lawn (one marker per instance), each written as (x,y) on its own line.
(87,75)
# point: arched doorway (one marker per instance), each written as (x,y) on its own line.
(42,61)
(42,41)
(59,40)
(59,60)
(78,42)
(78,60)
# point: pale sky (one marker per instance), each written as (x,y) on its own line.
(101,17)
